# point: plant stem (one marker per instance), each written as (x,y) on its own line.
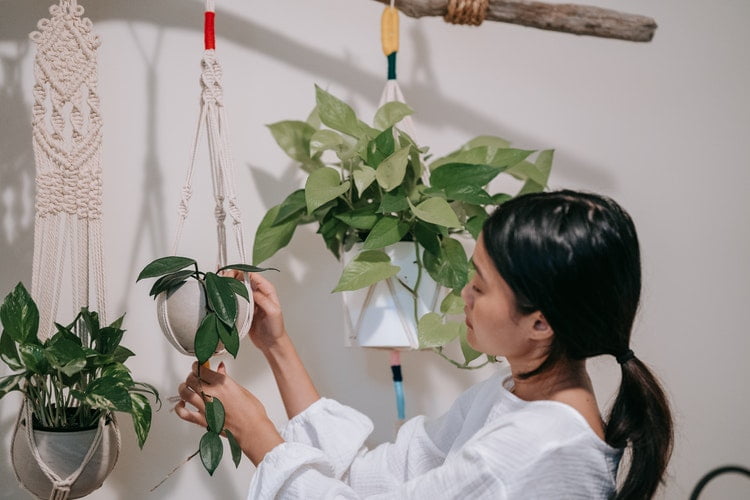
(465,366)
(416,285)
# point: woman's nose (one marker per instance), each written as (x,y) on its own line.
(466,295)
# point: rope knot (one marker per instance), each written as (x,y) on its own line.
(470,12)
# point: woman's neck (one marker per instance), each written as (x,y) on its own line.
(561,377)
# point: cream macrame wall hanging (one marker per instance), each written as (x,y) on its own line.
(67,139)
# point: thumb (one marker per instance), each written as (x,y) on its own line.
(221,369)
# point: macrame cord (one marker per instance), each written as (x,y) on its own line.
(213,118)
(67,138)
(471,12)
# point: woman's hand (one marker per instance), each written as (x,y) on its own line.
(245,416)
(268,322)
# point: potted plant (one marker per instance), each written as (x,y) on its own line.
(201,314)
(72,384)
(381,207)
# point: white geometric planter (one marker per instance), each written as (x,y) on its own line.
(63,452)
(382,315)
(181,312)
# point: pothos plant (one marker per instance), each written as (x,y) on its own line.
(74,377)
(375,186)
(218,325)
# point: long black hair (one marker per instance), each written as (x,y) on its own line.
(575,258)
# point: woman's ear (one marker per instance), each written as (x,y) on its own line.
(540,329)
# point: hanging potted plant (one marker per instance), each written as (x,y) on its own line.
(67,438)
(398,223)
(202,314)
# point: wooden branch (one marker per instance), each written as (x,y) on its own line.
(568,18)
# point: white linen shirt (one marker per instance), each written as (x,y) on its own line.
(490,444)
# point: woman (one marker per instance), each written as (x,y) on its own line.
(557,281)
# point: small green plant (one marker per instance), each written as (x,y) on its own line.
(371,185)
(219,325)
(73,378)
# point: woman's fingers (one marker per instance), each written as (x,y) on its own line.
(262,285)
(190,395)
(190,416)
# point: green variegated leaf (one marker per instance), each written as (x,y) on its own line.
(362,218)
(387,231)
(20,316)
(338,115)
(450,266)
(8,351)
(436,211)
(452,304)
(456,175)
(270,237)
(433,333)
(391,170)
(322,186)
(363,177)
(11,383)
(292,207)
(294,138)
(366,269)
(141,415)
(470,354)
(323,140)
(390,114)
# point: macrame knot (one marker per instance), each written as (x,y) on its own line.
(219,212)
(234,210)
(89,195)
(187,193)
(211,78)
(60,492)
(470,12)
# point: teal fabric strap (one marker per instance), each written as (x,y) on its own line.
(392,66)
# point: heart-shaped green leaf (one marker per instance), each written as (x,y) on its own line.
(20,316)
(436,211)
(322,186)
(366,269)
(433,333)
(270,237)
(391,170)
(387,231)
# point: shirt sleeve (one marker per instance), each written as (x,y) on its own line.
(295,471)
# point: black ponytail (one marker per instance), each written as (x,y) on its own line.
(641,417)
(575,257)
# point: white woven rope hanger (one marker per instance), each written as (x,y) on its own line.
(392,93)
(213,119)
(67,138)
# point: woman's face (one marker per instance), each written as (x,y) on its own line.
(495,326)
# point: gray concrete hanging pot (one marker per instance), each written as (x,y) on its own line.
(64,464)
(181,311)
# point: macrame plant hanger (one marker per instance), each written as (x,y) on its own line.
(67,140)
(470,12)
(213,119)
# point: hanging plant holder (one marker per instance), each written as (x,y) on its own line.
(383,314)
(181,311)
(64,464)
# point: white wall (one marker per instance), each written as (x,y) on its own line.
(662,127)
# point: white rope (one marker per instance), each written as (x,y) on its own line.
(213,118)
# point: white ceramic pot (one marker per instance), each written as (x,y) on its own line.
(181,312)
(383,314)
(63,452)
